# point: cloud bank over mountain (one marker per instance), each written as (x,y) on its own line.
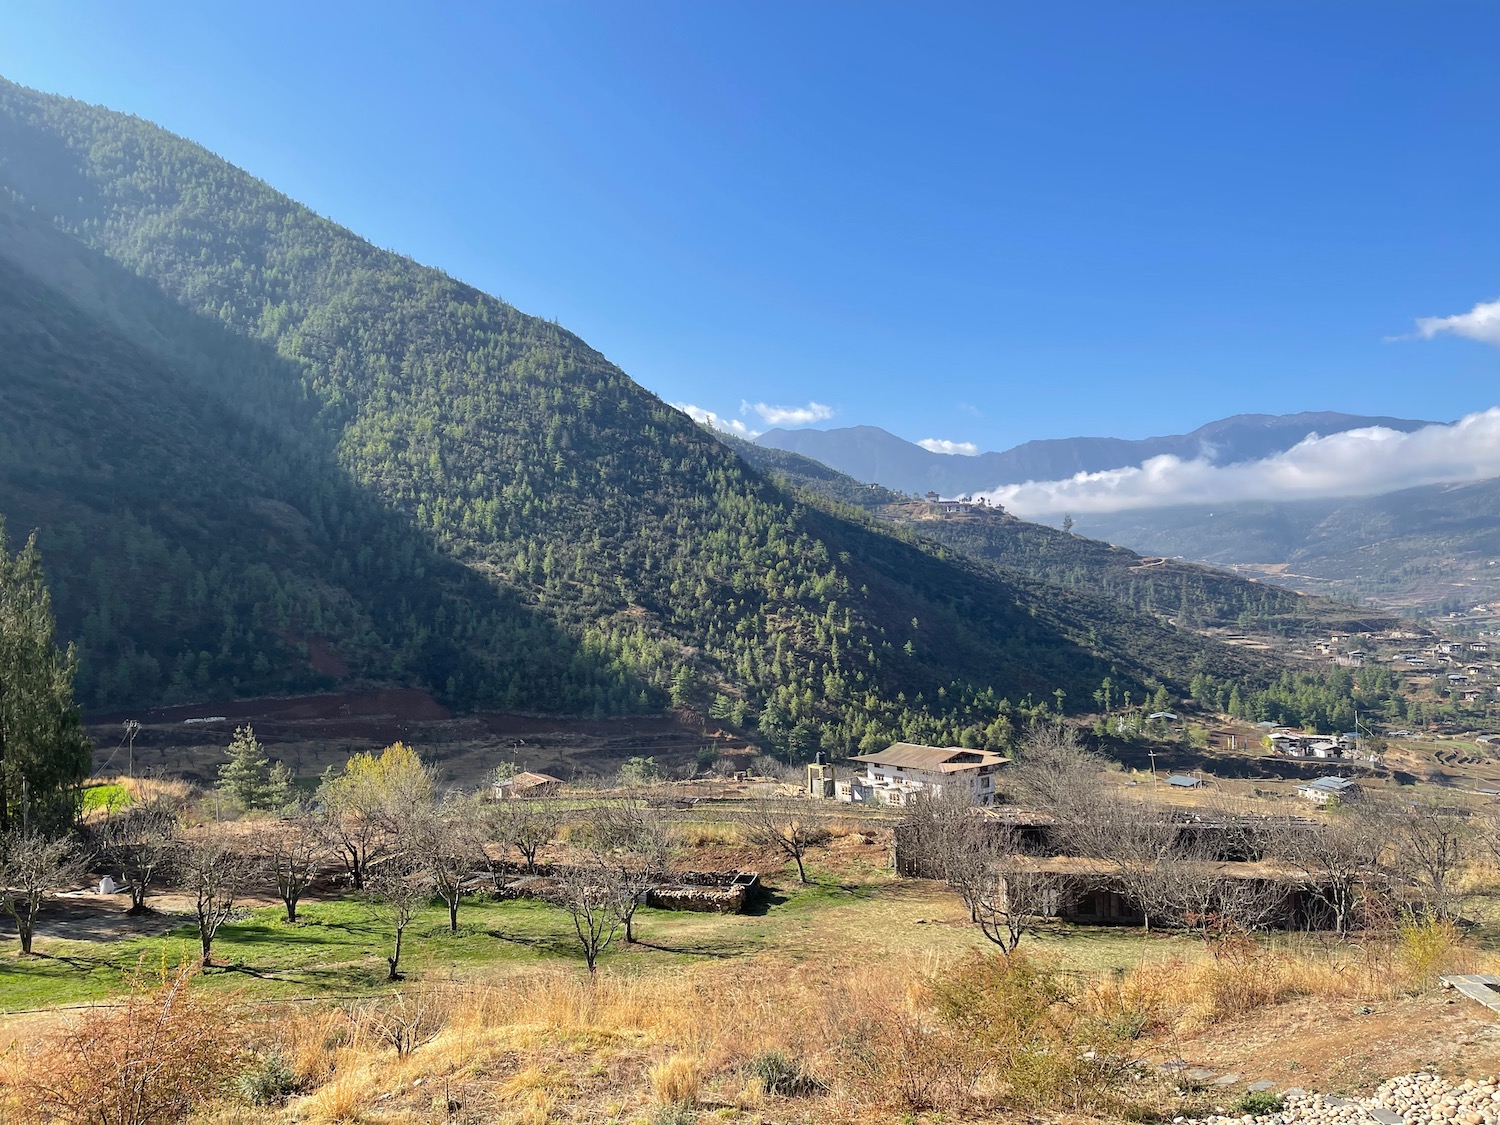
(951,448)
(789,415)
(1360,462)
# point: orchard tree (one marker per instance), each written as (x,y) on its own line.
(398,886)
(525,825)
(367,802)
(214,871)
(784,826)
(296,848)
(447,842)
(33,866)
(44,754)
(140,842)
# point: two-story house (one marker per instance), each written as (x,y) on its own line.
(902,770)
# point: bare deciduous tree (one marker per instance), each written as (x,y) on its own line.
(1335,862)
(526,825)
(214,870)
(592,897)
(1138,844)
(1054,771)
(447,842)
(1010,890)
(1429,843)
(296,848)
(1199,890)
(32,866)
(398,887)
(140,843)
(631,840)
(787,826)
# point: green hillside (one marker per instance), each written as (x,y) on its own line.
(266,455)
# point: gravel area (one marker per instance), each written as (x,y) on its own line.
(1413,1099)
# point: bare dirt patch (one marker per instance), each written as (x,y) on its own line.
(1345,1046)
(312,732)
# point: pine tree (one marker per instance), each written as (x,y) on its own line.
(44,753)
(248,777)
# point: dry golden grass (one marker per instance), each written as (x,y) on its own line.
(677,1079)
(142,789)
(1182,995)
(709,833)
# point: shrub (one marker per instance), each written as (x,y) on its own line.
(1426,948)
(781,1075)
(1257,1103)
(897,1054)
(675,1115)
(153,1058)
(404,1020)
(269,1081)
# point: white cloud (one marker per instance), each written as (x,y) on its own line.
(709,418)
(789,415)
(1481,323)
(942,445)
(1356,463)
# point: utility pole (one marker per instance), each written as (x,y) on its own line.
(132,728)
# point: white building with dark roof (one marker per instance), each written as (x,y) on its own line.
(902,770)
(1325,789)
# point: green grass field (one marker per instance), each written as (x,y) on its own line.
(338,947)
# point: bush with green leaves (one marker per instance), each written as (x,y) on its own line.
(1257,1103)
(269,1081)
(781,1075)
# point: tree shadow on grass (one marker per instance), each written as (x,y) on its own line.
(760,905)
(718,952)
(557,947)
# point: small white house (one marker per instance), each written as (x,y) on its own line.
(1325,789)
(902,770)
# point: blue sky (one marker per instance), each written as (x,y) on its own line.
(982,223)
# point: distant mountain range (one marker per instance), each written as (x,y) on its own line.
(1430,549)
(1194,595)
(877,456)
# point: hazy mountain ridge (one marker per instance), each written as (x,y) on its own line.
(869,453)
(1428,548)
(1193,594)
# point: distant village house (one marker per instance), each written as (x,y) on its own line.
(526,785)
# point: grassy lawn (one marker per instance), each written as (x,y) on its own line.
(108,795)
(339,947)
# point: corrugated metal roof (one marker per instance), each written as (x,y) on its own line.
(946,759)
(1332,784)
(1183,781)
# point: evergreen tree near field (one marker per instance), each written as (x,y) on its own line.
(44,754)
(250,779)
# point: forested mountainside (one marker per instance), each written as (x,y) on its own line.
(868,453)
(265,455)
(1430,548)
(1195,596)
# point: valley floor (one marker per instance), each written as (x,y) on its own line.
(509,1027)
